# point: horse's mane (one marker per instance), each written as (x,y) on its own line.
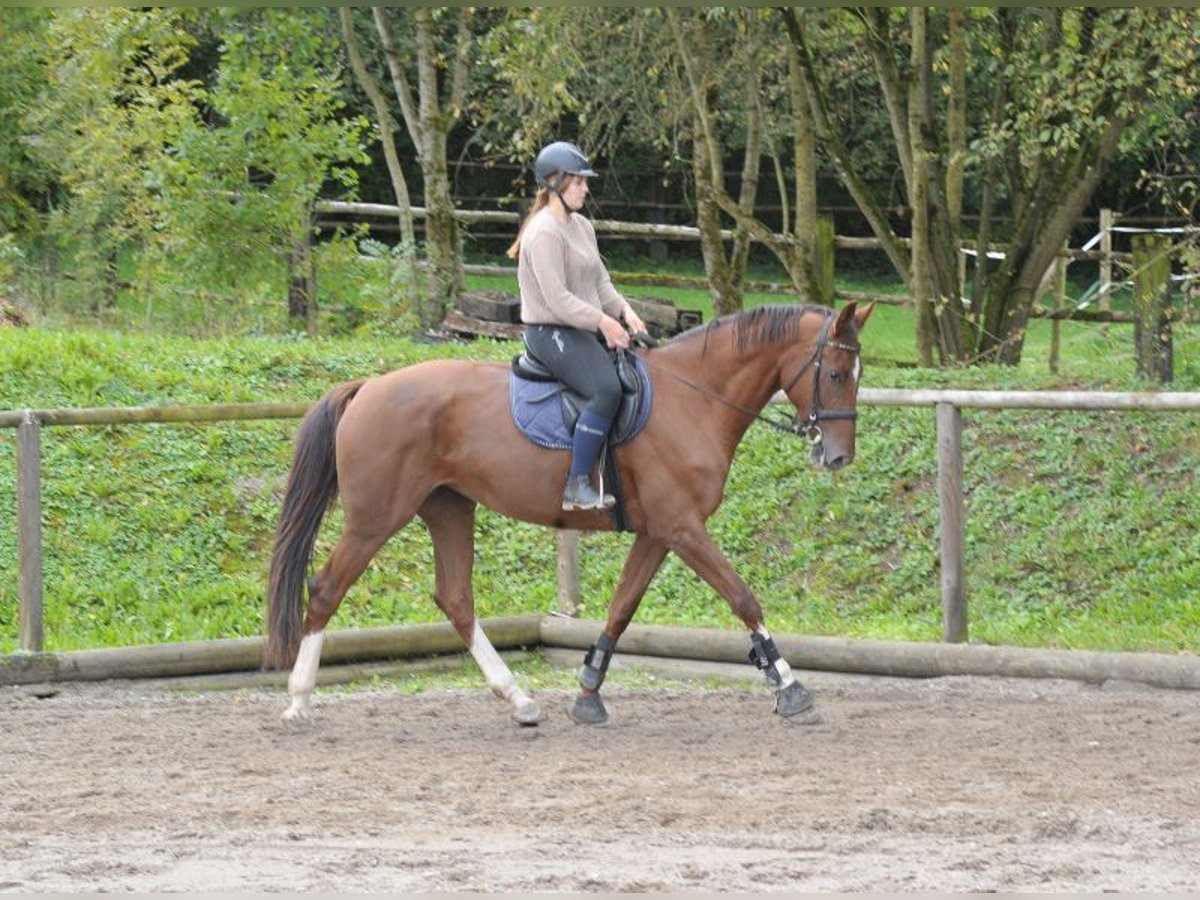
(757,326)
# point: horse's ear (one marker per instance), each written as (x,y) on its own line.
(860,318)
(844,317)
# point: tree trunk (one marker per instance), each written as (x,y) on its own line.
(725,273)
(843,160)
(429,118)
(1042,225)
(804,164)
(918,189)
(302,280)
(383,122)
(942,240)
(725,298)
(987,201)
(1152,305)
(956,116)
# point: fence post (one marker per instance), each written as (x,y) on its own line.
(29,531)
(567,541)
(1152,307)
(1106,224)
(823,257)
(1060,303)
(950,500)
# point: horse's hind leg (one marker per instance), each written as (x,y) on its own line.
(349,558)
(451,520)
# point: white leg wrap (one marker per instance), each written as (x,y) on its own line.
(500,679)
(781,665)
(304,675)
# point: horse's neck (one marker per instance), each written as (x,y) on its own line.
(744,380)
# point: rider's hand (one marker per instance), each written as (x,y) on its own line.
(614,332)
(634,322)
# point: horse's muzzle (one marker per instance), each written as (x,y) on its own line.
(819,457)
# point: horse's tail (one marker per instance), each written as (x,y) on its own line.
(312,488)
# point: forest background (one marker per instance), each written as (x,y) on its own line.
(161,171)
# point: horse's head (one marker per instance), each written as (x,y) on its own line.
(821,381)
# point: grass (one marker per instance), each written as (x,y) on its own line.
(1083,529)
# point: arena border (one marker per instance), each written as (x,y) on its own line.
(832,654)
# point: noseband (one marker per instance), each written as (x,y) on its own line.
(812,426)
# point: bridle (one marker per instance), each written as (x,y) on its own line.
(812,425)
(791,425)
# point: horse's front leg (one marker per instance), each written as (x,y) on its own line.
(645,556)
(696,548)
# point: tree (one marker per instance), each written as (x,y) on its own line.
(204,176)
(1066,87)
(428,54)
(112,106)
(22,74)
(709,62)
(240,182)
(930,267)
(1076,80)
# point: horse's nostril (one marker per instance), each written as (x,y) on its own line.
(837,462)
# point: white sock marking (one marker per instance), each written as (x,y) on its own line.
(304,675)
(498,676)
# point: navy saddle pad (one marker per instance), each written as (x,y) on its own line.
(546,411)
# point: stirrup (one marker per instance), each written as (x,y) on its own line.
(579,494)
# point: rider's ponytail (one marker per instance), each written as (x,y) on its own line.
(540,200)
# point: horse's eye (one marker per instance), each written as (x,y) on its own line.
(837,377)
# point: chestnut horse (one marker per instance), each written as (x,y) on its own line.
(435,439)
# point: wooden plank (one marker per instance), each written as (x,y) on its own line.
(909,659)
(457,323)
(245,654)
(29,532)
(1166,401)
(950,502)
(127,415)
(28,668)
(660,316)
(491,306)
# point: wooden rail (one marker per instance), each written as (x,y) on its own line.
(947,405)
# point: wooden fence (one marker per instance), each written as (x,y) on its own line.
(947,404)
(1105,256)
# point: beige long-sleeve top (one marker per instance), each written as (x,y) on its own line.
(562,278)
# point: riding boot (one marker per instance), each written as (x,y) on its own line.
(591,430)
(579,494)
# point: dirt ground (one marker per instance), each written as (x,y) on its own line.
(954,784)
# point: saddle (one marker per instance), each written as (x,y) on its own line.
(546,410)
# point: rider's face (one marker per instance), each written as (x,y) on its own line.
(575,192)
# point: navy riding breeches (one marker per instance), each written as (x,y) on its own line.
(581,362)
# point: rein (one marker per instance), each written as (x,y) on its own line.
(790,425)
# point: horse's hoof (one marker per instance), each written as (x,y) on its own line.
(588,709)
(296,714)
(528,713)
(795,703)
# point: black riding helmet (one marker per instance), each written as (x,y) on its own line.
(560,158)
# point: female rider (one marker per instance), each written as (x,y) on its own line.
(569,306)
